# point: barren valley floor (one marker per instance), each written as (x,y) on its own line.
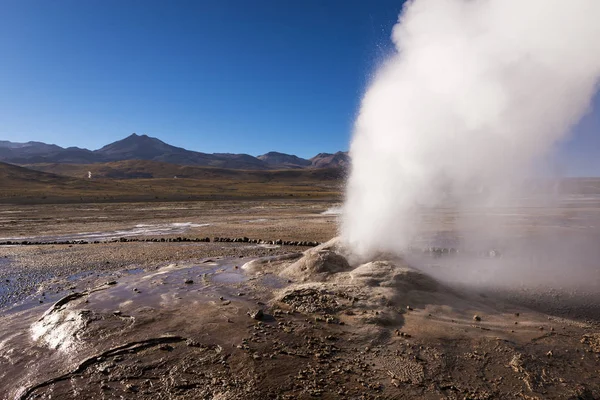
(128,317)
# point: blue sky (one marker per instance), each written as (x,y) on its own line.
(579,154)
(212,76)
(209,75)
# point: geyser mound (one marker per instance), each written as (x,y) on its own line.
(329,263)
(389,274)
(319,263)
(327,281)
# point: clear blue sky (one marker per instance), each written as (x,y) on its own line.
(209,75)
(212,76)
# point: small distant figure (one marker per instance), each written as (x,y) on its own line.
(89,174)
(175,177)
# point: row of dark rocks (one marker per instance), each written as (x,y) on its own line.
(163,240)
(271,242)
(434,251)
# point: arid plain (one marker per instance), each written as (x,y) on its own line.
(138,300)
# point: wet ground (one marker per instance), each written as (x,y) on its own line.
(248,321)
(262,219)
(138,230)
(120,303)
(218,328)
(38,274)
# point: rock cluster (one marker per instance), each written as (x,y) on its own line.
(271,242)
(303,243)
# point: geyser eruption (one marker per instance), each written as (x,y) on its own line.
(476,94)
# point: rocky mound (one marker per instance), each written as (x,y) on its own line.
(378,292)
(389,274)
(319,264)
(329,262)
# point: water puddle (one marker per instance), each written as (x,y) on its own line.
(229,277)
(134,271)
(25,290)
(264,246)
(82,275)
(273,281)
(16,292)
(136,286)
(176,284)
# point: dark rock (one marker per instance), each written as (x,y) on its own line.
(132,388)
(192,343)
(166,347)
(257,314)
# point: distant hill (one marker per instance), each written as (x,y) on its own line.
(144,169)
(30,147)
(13,175)
(238,161)
(281,160)
(143,147)
(23,185)
(340,159)
(143,180)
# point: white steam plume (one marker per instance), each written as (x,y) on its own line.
(476,94)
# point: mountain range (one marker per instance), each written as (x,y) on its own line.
(143,147)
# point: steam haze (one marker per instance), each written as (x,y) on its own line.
(474,99)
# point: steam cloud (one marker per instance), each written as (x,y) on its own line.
(476,94)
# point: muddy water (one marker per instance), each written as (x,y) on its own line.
(15,284)
(38,341)
(24,289)
(5,270)
(220,274)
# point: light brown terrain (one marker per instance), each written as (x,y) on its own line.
(149,181)
(132,318)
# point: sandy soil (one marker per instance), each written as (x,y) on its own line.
(287,220)
(248,321)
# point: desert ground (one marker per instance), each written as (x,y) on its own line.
(120,300)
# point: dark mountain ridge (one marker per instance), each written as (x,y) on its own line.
(143,147)
(282,159)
